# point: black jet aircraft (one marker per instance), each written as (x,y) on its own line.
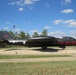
(43,41)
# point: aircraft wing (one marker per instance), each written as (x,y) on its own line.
(3,41)
(18,42)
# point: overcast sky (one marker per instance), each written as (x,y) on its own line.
(56,16)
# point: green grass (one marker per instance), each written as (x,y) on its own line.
(30,56)
(39,68)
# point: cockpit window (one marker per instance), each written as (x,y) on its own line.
(71,38)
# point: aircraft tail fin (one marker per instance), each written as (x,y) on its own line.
(5,35)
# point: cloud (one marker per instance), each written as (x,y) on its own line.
(12,3)
(23,2)
(57,21)
(73,33)
(70,23)
(7,22)
(21,9)
(47,5)
(73,24)
(47,27)
(27,22)
(5,28)
(67,11)
(34,31)
(56,34)
(17,30)
(66,1)
(30,7)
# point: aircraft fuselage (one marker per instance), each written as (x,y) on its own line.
(43,42)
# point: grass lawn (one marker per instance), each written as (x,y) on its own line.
(39,68)
(30,56)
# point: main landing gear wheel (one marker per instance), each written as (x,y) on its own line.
(44,47)
(63,47)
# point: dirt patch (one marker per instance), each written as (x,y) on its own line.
(38,59)
(37,51)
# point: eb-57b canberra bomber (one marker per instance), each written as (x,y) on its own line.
(40,41)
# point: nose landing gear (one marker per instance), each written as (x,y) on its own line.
(44,47)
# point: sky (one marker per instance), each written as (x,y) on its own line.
(58,17)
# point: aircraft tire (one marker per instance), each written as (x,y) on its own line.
(63,47)
(44,47)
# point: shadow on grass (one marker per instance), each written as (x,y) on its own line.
(12,49)
(35,49)
(47,50)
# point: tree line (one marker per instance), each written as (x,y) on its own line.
(24,35)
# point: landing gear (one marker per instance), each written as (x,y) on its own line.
(44,47)
(63,47)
